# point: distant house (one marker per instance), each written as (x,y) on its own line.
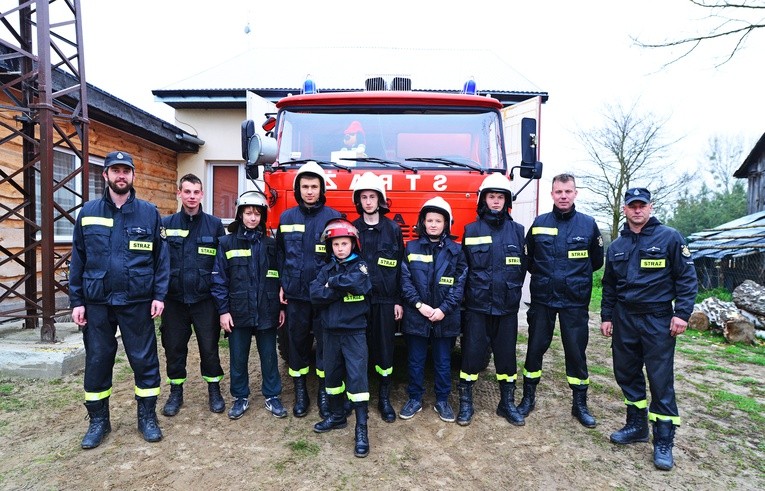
(753,169)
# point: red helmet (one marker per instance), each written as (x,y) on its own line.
(340,227)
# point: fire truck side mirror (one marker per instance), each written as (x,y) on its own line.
(248,130)
(257,149)
(533,171)
(528,141)
(251,171)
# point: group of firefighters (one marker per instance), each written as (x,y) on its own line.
(347,284)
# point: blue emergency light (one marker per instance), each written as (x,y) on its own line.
(309,86)
(469,87)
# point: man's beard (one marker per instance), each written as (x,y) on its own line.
(120,191)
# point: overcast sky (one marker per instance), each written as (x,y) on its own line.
(581,53)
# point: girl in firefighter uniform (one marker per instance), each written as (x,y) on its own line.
(340,292)
(246,290)
(433,276)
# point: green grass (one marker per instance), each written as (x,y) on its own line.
(742,403)
(719,292)
(597,290)
(304,448)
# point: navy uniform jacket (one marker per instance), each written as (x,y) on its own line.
(118,255)
(192,241)
(433,273)
(245,280)
(563,251)
(300,251)
(344,304)
(382,247)
(645,272)
(496,266)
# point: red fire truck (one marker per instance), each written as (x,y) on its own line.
(423,144)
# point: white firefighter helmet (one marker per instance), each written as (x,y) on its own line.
(373,182)
(496,183)
(250,198)
(340,227)
(437,205)
(311,169)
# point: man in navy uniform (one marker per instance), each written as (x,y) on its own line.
(649,287)
(119,277)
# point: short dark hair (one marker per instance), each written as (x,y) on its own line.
(565,177)
(189,178)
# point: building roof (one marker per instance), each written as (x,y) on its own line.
(274,73)
(110,110)
(757,154)
(740,237)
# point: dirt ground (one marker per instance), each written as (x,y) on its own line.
(721,444)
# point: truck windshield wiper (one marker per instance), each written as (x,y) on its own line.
(448,162)
(375,160)
(320,162)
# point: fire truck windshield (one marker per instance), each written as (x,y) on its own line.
(425,138)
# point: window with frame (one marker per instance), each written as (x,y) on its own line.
(67,197)
(226,182)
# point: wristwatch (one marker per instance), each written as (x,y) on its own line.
(418,305)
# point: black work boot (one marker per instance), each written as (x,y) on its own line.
(147,419)
(321,400)
(636,428)
(579,409)
(214,397)
(302,402)
(361,437)
(528,401)
(506,407)
(336,419)
(465,413)
(100,426)
(663,440)
(383,404)
(175,401)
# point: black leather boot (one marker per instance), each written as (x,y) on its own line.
(528,401)
(636,428)
(215,399)
(302,401)
(383,404)
(336,419)
(663,440)
(322,400)
(465,413)
(100,426)
(147,419)
(175,401)
(361,445)
(580,411)
(506,407)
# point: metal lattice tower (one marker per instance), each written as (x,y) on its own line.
(43,106)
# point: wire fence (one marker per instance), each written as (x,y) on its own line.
(730,271)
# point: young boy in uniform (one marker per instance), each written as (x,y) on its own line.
(382,247)
(339,293)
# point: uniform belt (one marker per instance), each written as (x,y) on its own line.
(649,308)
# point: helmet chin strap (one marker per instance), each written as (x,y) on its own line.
(371,212)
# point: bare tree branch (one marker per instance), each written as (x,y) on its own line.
(727,27)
